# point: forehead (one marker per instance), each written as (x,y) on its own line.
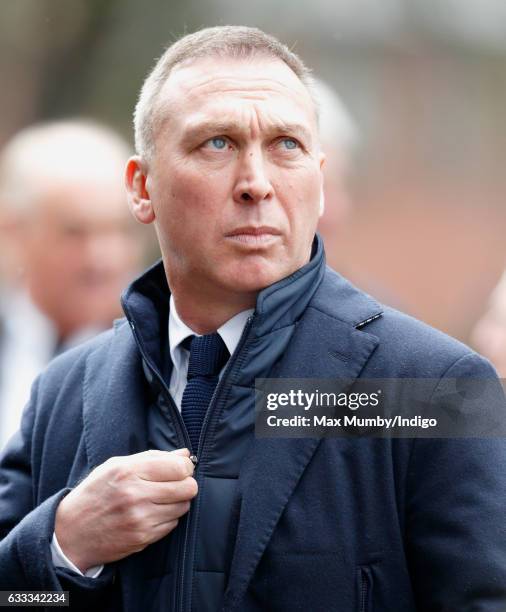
(224,85)
(60,198)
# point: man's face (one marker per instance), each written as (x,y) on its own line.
(235,181)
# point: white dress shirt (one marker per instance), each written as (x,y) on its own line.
(178,331)
(230,333)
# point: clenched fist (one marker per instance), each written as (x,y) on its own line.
(124,505)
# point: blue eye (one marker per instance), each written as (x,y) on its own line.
(218,142)
(290,143)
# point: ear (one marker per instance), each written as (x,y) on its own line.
(322,194)
(138,197)
(322,202)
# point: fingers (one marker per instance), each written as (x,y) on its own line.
(162,466)
(172,492)
(159,519)
(162,513)
(162,529)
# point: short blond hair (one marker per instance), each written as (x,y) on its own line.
(221,41)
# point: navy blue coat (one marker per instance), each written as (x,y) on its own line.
(334,524)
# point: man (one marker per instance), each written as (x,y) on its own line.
(68,248)
(99,480)
(338,138)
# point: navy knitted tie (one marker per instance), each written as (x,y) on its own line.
(208,354)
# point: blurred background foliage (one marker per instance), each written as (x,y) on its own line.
(424,79)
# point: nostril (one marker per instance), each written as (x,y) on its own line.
(246,196)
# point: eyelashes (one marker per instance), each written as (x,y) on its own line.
(223,144)
(219,143)
(291,141)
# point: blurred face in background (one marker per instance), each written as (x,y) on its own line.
(76,251)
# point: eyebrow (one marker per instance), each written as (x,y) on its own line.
(195,131)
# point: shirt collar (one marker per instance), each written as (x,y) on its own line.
(230,331)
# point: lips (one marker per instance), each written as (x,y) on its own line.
(254,231)
(254,236)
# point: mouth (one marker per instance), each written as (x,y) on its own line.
(254,236)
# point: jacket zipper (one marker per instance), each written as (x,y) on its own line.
(364,590)
(186,437)
(222,382)
(198,451)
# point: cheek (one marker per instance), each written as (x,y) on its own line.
(197,184)
(302,183)
(302,206)
(43,250)
(190,201)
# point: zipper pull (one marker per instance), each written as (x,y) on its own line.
(194,460)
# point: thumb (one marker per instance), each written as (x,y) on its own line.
(181,451)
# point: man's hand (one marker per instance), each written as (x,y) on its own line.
(123,505)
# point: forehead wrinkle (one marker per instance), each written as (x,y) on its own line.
(247,86)
(236,84)
(257,124)
(278,126)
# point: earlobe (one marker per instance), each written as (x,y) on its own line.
(139,200)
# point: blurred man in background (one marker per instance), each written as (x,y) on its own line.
(489,335)
(67,248)
(338,135)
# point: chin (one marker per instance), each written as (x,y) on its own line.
(258,278)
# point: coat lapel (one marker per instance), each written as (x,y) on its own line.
(115,418)
(330,348)
(114,411)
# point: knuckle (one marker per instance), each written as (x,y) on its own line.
(192,486)
(144,537)
(180,468)
(113,463)
(138,543)
(133,520)
(129,497)
(118,471)
(177,510)
(153,452)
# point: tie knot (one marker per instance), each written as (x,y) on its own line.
(208,354)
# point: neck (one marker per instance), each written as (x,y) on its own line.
(205,314)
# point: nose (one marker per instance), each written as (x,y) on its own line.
(252,184)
